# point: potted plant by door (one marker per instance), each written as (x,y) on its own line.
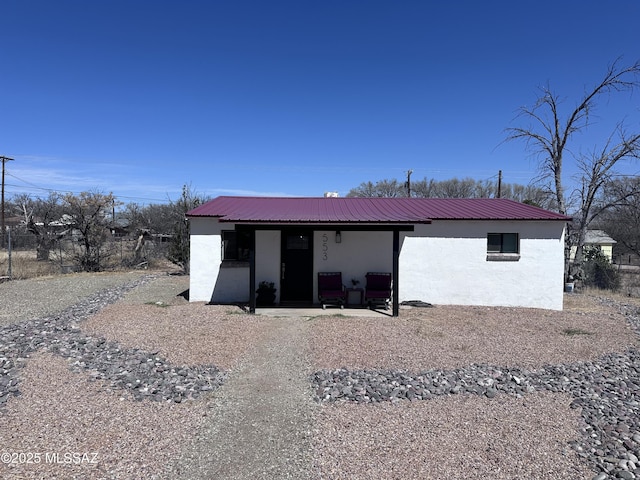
(266,294)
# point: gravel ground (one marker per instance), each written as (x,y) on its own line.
(450,437)
(604,386)
(38,297)
(262,423)
(165,290)
(451,336)
(184,334)
(60,414)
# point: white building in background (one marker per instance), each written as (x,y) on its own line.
(600,240)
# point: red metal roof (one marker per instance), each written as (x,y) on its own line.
(367,210)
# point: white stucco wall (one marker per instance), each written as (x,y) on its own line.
(205,258)
(441,263)
(356,254)
(446,263)
(213,281)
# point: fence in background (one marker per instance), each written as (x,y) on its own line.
(18,256)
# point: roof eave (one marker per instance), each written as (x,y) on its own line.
(323,222)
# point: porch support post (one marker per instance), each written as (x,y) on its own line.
(252,270)
(395,274)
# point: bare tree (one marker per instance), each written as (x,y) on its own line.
(530,194)
(89,213)
(153,218)
(40,215)
(550,132)
(134,214)
(453,188)
(596,171)
(486,189)
(179,253)
(622,219)
(549,135)
(383,188)
(424,188)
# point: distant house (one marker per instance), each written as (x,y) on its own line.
(494,252)
(598,239)
(120,227)
(65,222)
(14,221)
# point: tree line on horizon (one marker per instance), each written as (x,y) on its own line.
(455,188)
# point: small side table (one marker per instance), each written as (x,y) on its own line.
(356,290)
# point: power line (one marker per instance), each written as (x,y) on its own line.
(4,160)
(52,190)
(29,183)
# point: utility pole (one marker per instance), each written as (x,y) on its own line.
(499,183)
(409,183)
(4,160)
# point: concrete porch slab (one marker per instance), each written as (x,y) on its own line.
(316,311)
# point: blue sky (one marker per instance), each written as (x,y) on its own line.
(290,97)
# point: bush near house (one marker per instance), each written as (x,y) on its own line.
(599,272)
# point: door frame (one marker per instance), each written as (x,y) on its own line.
(304,272)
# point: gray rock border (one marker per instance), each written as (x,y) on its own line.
(146,375)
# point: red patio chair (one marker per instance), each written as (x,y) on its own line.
(378,289)
(331,290)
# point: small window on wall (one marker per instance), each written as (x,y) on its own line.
(503,246)
(235,245)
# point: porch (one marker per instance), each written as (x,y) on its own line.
(316,311)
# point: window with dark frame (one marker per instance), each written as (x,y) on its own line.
(235,245)
(503,243)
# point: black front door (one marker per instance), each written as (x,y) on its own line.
(296,270)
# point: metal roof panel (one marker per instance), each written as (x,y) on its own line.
(367,210)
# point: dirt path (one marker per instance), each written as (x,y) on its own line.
(259,424)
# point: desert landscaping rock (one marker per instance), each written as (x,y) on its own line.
(145,374)
(607,391)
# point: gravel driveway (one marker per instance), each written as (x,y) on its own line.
(118,376)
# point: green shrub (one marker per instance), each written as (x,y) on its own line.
(599,272)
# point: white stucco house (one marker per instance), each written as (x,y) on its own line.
(600,240)
(493,252)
